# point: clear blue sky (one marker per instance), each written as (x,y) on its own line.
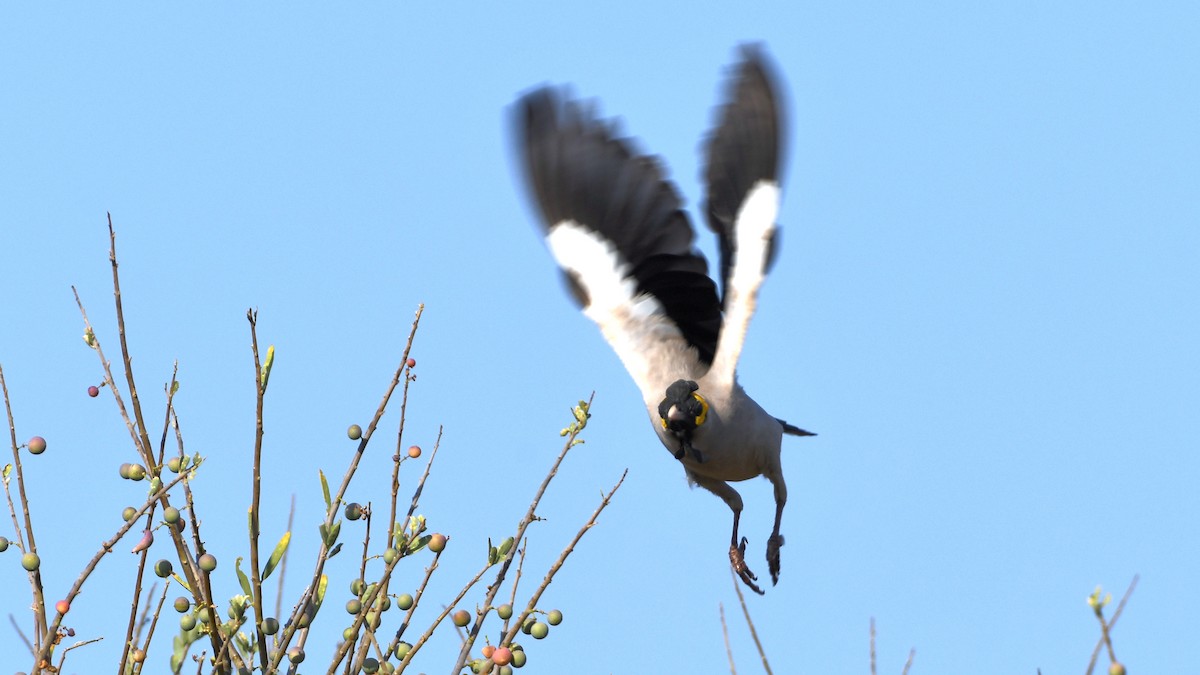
(985,304)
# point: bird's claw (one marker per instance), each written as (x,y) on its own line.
(773,545)
(737,559)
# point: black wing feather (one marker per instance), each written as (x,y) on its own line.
(579,171)
(743,149)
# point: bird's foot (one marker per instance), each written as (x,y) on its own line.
(773,545)
(737,558)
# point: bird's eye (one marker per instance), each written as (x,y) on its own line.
(703,409)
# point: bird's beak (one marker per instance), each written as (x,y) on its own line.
(675,415)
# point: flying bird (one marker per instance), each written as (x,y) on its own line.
(618,231)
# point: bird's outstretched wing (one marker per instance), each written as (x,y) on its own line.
(615,226)
(742,179)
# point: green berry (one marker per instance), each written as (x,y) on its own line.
(527,627)
(1116,668)
(171,515)
(354,606)
(385,604)
(504,611)
(348,634)
(187,622)
(518,658)
(182,604)
(402,650)
(554,617)
(270,626)
(437,543)
(539,630)
(204,615)
(37,445)
(295,655)
(354,432)
(405,602)
(354,511)
(123,470)
(390,555)
(370,666)
(461,618)
(31,561)
(163,568)
(128,513)
(386,668)
(3,544)
(175,464)
(506,670)
(207,562)
(357,586)
(137,472)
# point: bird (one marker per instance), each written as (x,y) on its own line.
(617,228)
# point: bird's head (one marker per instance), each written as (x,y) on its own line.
(683,410)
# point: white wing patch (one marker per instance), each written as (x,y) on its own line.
(753,229)
(754,226)
(634,324)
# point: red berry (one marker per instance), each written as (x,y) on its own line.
(93,391)
(502,656)
(411,363)
(62,606)
(461,618)
(488,651)
(37,445)
(414,451)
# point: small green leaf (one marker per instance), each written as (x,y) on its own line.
(322,585)
(174,387)
(245,582)
(7,470)
(277,554)
(266,368)
(325,489)
(418,544)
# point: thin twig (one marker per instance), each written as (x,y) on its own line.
(260,390)
(35,577)
(562,558)
(1112,622)
(572,432)
(137,431)
(873,671)
(283,561)
(445,611)
(63,658)
(912,653)
(21,634)
(725,634)
(306,597)
(749,622)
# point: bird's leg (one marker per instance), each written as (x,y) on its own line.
(737,557)
(776,539)
(737,549)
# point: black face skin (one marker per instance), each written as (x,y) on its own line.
(682,423)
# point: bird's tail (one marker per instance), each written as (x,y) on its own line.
(794,430)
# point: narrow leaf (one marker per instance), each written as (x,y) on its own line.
(325,489)
(242,579)
(277,554)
